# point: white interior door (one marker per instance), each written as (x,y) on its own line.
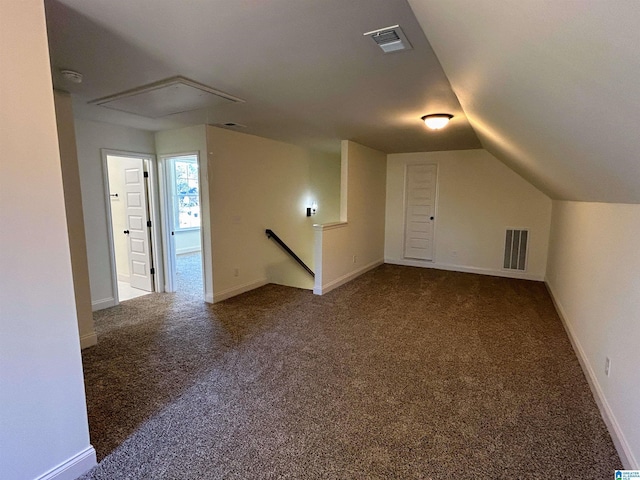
(420,191)
(137,230)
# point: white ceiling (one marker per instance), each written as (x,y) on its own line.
(307,73)
(551,87)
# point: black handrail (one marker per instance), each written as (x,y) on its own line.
(270,234)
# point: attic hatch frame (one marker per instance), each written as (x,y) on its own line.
(166,83)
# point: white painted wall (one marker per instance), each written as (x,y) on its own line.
(255,184)
(478,197)
(532,76)
(188,241)
(594,276)
(43,418)
(116,172)
(91,138)
(348,248)
(75,219)
(193,140)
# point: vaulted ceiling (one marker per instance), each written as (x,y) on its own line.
(306,72)
(548,86)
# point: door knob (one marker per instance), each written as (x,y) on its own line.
(126,232)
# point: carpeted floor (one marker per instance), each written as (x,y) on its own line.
(402,373)
(189,275)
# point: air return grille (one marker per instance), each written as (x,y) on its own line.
(387,36)
(515,249)
(390,39)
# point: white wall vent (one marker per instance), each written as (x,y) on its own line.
(390,39)
(515,249)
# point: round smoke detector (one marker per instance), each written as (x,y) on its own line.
(72,76)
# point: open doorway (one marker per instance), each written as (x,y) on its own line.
(182,223)
(130,213)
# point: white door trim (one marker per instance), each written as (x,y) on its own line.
(169,253)
(166,215)
(156,224)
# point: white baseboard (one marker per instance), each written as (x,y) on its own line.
(103,303)
(72,468)
(232,292)
(88,340)
(124,278)
(460,268)
(208,297)
(327,287)
(619,440)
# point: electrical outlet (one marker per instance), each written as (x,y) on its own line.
(355,258)
(236,272)
(607,366)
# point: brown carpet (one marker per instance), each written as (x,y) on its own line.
(402,373)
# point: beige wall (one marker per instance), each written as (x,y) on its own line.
(478,197)
(354,245)
(255,184)
(43,415)
(75,220)
(594,276)
(246,164)
(91,137)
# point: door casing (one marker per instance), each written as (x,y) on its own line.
(420,203)
(166,208)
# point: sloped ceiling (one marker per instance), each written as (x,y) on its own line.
(551,87)
(306,71)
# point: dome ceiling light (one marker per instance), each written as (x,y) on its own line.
(436,121)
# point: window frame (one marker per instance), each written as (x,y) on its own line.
(176,197)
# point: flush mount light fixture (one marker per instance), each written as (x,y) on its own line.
(436,121)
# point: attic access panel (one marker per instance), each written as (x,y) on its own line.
(166,97)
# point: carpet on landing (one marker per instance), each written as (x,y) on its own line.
(401,373)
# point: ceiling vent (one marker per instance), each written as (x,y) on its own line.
(390,39)
(167,97)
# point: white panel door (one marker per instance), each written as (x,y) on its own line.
(420,191)
(137,230)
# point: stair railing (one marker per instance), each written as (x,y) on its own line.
(272,235)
